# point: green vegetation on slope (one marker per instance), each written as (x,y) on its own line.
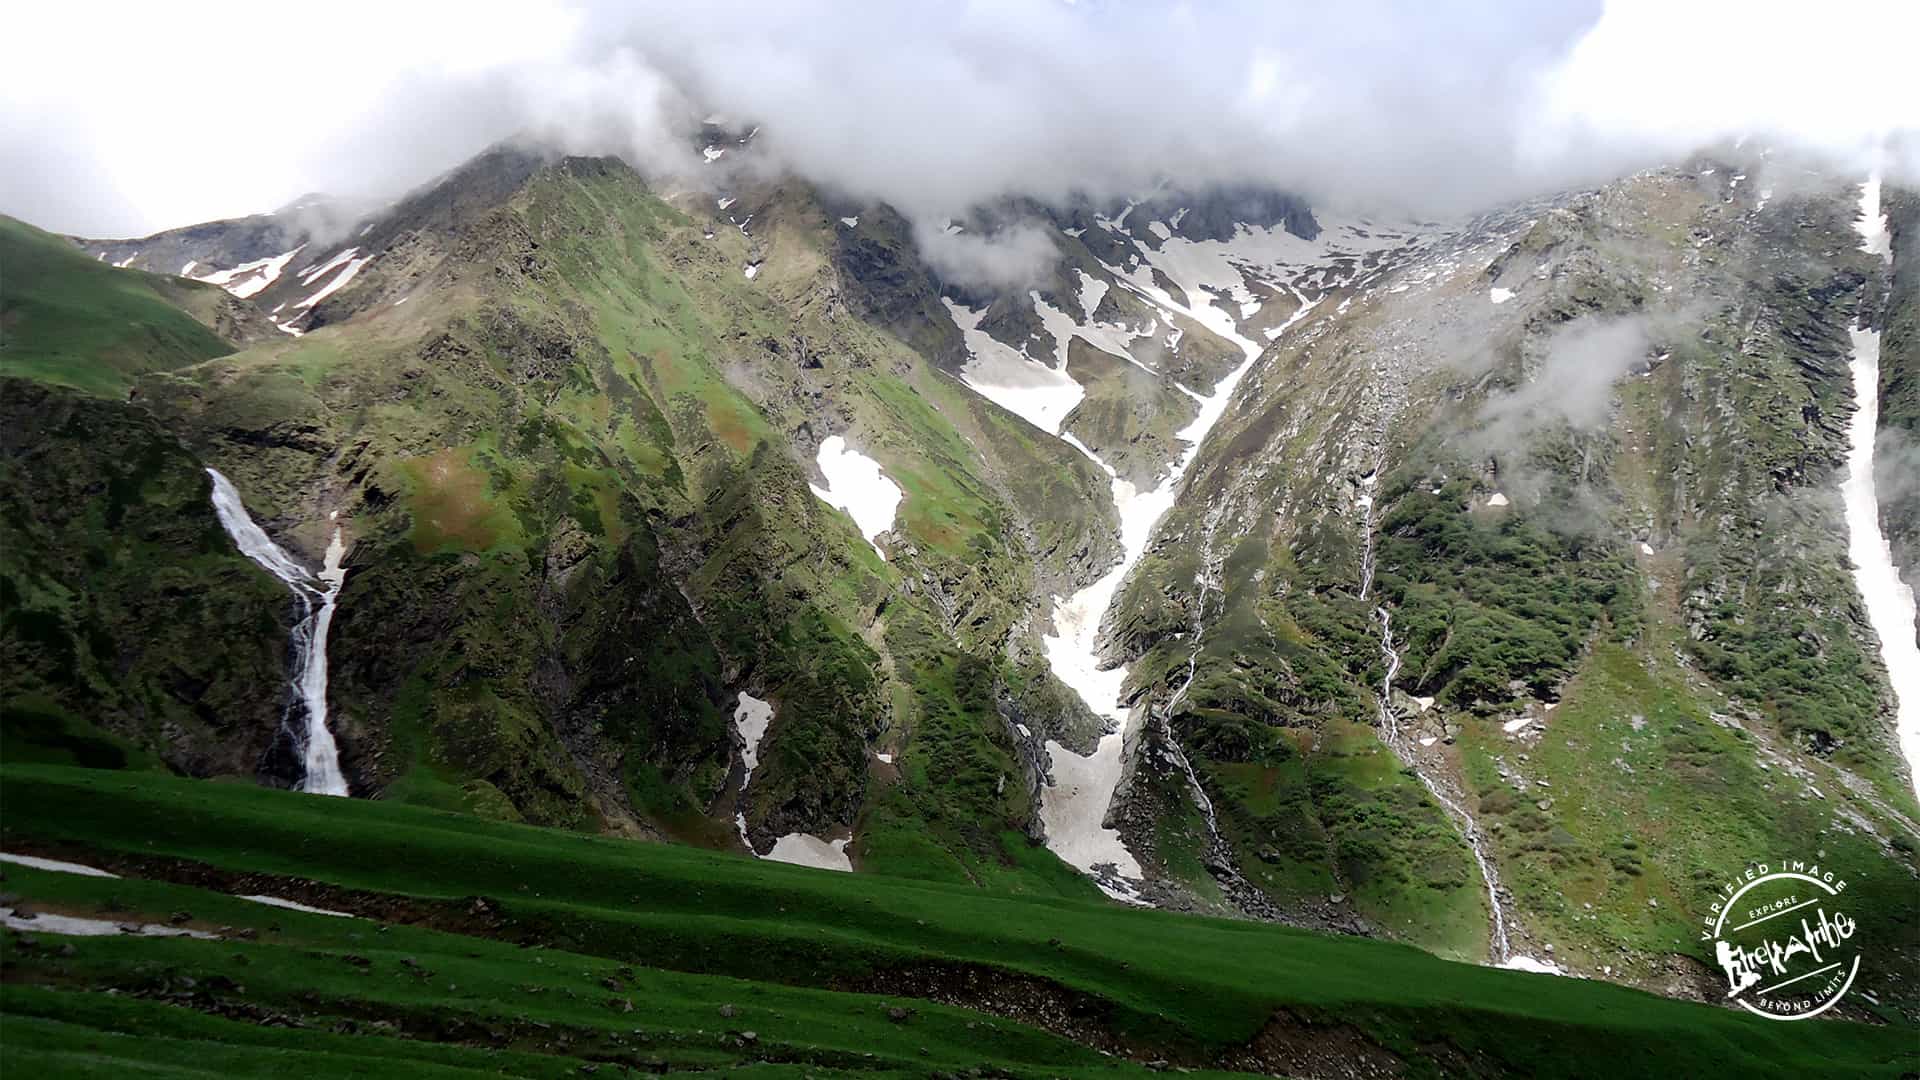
(115,580)
(540,947)
(70,320)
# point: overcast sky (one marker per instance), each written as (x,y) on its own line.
(126,118)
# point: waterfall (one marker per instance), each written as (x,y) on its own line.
(1889,600)
(316,595)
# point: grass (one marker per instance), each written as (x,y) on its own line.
(69,320)
(505,937)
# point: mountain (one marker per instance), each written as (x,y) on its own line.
(242,255)
(74,322)
(1479,585)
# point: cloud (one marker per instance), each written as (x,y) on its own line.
(1573,382)
(178,113)
(1012,257)
(1569,388)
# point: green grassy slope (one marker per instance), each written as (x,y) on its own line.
(68,319)
(543,949)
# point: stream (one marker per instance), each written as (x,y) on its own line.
(1403,748)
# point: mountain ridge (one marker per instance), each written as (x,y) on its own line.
(569,423)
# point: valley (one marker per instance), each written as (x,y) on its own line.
(1380,602)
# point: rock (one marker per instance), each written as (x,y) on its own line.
(728,1011)
(899,1015)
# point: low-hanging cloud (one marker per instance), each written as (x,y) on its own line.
(222,108)
(1011,257)
(1573,383)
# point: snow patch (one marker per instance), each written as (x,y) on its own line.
(314,271)
(1518,962)
(291,905)
(1031,390)
(856,484)
(750,718)
(72,926)
(801,849)
(1114,339)
(55,865)
(250,279)
(1499,295)
(339,282)
(1092,291)
(851,222)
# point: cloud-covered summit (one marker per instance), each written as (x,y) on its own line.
(129,119)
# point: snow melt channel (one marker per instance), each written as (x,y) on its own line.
(317,596)
(1074,807)
(1889,600)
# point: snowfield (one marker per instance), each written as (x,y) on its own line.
(1889,600)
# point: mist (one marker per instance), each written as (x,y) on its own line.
(222,108)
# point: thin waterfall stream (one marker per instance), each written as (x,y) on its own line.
(1498,943)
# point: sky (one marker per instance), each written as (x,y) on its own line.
(120,119)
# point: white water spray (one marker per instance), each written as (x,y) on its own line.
(317,595)
(1889,600)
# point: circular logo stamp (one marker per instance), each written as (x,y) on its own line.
(1783,938)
